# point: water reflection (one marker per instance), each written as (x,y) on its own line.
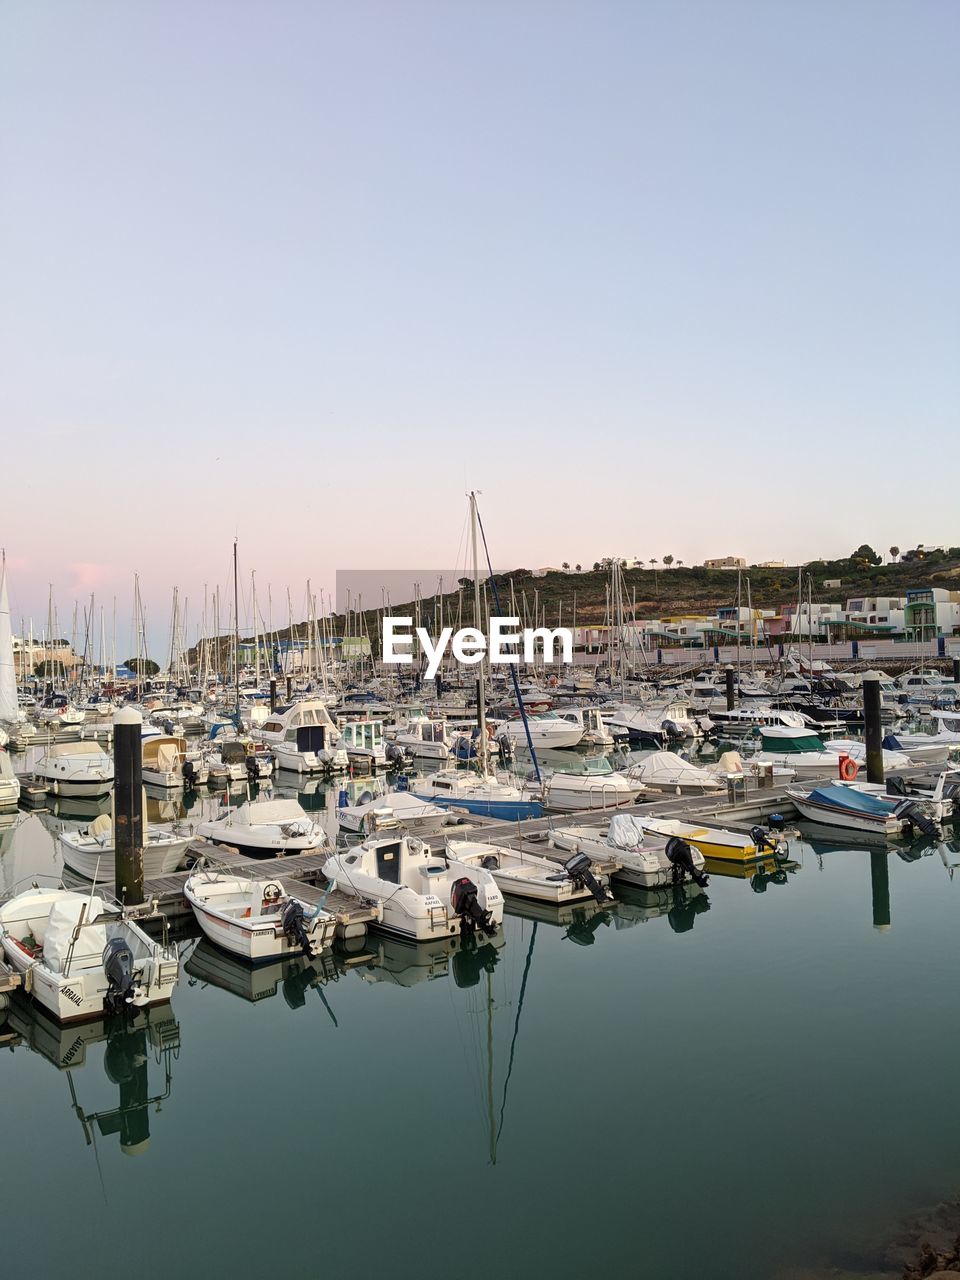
(406,964)
(291,976)
(131,1045)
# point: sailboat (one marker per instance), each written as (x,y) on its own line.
(482,792)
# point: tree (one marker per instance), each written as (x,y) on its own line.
(894,552)
(865,554)
(596,566)
(565,565)
(679,564)
(50,670)
(653,561)
(579,568)
(143,667)
(668,561)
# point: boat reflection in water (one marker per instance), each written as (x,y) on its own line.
(132,1042)
(582,921)
(771,871)
(406,964)
(291,976)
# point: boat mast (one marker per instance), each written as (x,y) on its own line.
(481,709)
(236,633)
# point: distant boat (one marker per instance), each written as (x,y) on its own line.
(267,829)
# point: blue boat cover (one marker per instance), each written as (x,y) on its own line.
(849,798)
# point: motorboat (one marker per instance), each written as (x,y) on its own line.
(57,710)
(372,808)
(266,829)
(80,957)
(258,920)
(419,895)
(237,760)
(590,720)
(642,862)
(526,875)
(424,739)
(304,739)
(834,804)
(168,763)
(590,782)
(478,793)
(806,753)
(716,842)
(547,730)
(364,743)
(924,748)
(89,851)
(666,771)
(75,769)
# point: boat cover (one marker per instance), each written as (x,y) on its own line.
(61,925)
(624,832)
(849,798)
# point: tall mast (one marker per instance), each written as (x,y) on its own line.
(236,632)
(481,708)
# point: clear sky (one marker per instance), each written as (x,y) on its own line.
(655,277)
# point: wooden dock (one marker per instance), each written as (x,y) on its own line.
(164,900)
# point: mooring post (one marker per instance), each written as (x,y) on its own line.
(728,675)
(289,688)
(880,888)
(873,734)
(956,671)
(128,806)
(273,696)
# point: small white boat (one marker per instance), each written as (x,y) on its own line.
(643,863)
(595,731)
(525,875)
(487,795)
(835,805)
(258,920)
(363,742)
(266,829)
(419,817)
(666,771)
(424,739)
(75,769)
(419,895)
(90,851)
(547,730)
(806,753)
(80,958)
(167,763)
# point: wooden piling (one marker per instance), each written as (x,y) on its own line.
(731,697)
(873,734)
(128,806)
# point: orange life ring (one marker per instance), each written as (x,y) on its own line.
(848,768)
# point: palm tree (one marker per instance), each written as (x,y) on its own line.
(579,568)
(565,566)
(668,561)
(679,564)
(894,553)
(654,560)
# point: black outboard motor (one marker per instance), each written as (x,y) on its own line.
(466,905)
(917,818)
(776,822)
(578,870)
(118,966)
(189,772)
(680,856)
(471,960)
(761,840)
(292,921)
(252,771)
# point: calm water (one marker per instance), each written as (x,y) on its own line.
(722,1086)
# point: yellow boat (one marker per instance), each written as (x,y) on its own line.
(713,842)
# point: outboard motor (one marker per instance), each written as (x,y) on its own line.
(168,728)
(776,822)
(466,905)
(294,927)
(189,772)
(917,818)
(761,840)
(470,961)
(253,771)
(578,870)
(118,966)
(680,856)
(402,782)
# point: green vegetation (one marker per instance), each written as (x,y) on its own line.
(142,666)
